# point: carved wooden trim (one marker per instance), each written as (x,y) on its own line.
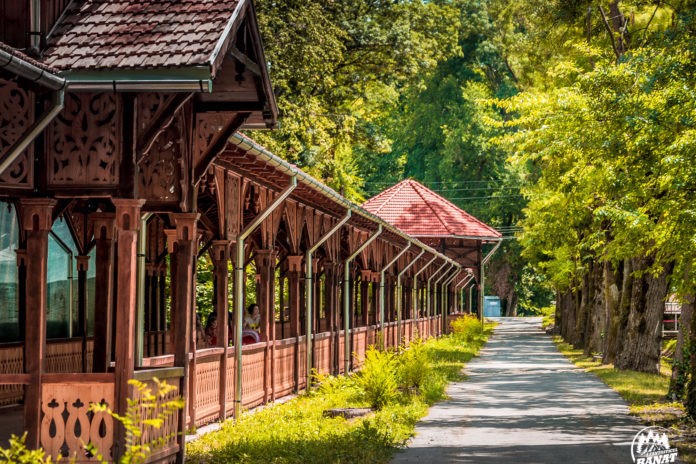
(84,142)
(16,116)
(37,213)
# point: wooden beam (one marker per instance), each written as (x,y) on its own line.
(227,106)
(240,56)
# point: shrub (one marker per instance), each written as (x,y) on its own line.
(18,453)
(377,380)
(413,365)
(467,328)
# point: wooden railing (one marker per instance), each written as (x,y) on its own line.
(67,424)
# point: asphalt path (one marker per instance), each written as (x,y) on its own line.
(524,402)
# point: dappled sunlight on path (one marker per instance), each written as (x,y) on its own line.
(524,402)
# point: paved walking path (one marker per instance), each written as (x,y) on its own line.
(524,402)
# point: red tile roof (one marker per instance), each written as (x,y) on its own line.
(140,34)
(420,212)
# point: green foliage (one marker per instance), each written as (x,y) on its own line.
(413,365)
(146,410)
(467,328)
(18,453)
(377,380)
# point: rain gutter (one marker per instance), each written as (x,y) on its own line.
(30,72)
(346,295)
(308,289)
(400,296)
(239,290)
(192,79)
(382,290)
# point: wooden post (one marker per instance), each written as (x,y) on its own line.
(295,302)
(331,291)
(221,256)
(127,226)
(265,266)
(365,277)
(104,233)
(82,266)
(185,250)
(36,222)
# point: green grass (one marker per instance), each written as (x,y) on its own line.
(637,388)
(297,432)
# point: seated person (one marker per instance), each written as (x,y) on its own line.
(211,330)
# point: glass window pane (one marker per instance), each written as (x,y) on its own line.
(9,282)
(59,290)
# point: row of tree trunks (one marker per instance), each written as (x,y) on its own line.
(617,310)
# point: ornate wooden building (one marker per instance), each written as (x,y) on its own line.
(121,171)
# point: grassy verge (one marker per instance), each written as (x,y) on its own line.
(297,431)
(646,395)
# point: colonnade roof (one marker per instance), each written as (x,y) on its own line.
(251,160)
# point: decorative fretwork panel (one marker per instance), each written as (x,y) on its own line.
(11,362)
(68,424)
(162,440)
(208,389)
(16,115)
(83,142)
(150,105)
(163,171)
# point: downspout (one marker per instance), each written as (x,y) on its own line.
(20,145)
(415,284)
(309,293)
(140,290)
(382,291)
(427,290)
(483,277)
(461,285)
(346,297)
(239,291)
(445,301)
(400,297)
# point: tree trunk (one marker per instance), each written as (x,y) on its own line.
(613,277)
(581,321)
(640,350)
(596,324)
(567,305)
(680,369)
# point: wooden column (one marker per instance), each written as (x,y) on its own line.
(365,278)
(82,267)
(104,233)
(185,236)
(331,283)
(221,256)
(127,226)
(295,302)
(265,266)
(36,222)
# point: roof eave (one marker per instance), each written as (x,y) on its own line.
(28,71)
(186,79)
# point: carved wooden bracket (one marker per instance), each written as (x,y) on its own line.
(82,263)
(220,251)
(186,225)
(103,224)
(295,263)
(37,213)
(128,213)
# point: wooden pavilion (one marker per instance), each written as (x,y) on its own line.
(121,168)
(422,213)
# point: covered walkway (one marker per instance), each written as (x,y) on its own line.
(524,402)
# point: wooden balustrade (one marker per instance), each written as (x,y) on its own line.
(230,381)
(207,394)
(322,353)
(359,346)
(67,425)
(284,367)
(252,374)
(165,436)
(302,353)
